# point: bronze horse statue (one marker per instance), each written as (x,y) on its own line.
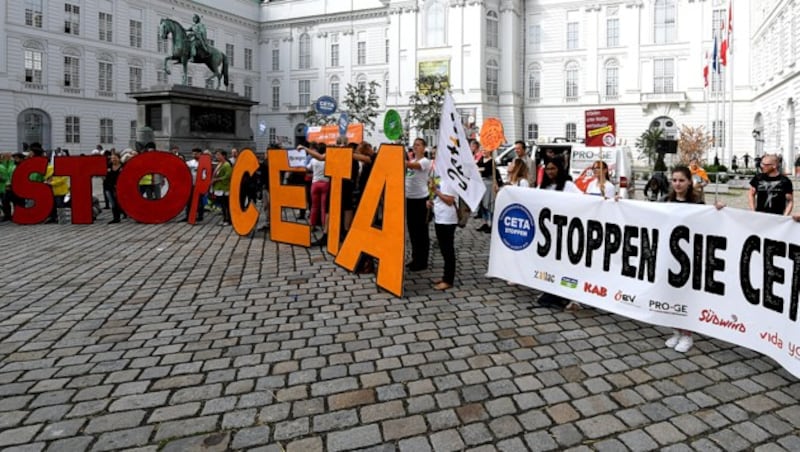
(215,60)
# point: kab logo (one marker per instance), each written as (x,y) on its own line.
(669,308)
(544,276)
(594,289)
(569,283)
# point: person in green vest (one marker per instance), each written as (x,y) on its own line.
(7,166)
(221,184)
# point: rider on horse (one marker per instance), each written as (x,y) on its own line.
(197,38)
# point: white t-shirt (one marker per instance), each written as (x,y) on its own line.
(594,189)
(417,180)
(317,168)
(442,213)
(569,187)
(523,183)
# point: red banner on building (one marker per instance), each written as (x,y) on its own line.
(601,129)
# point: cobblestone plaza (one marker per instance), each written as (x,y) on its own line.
(179,337)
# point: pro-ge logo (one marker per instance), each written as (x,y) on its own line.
(516,227)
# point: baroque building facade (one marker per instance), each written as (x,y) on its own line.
(535,64)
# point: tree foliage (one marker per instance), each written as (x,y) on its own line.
(693,144)
(361,106)
(646,144)
(426,103)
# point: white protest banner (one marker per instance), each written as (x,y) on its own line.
(730,274)
(454,161)
(297,158)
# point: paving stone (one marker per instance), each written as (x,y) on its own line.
(335,421)
(505,426)
(638,440)
(363,436)
(18,435)
(186,427)
(291,429)
(115,421)
(476,433)
(600,426)
(665,433)
(120,439)
(214,442)
(447,440)
(416,444)
(253,436)
(133,402)
(75,443)
(351,399)
(394,429)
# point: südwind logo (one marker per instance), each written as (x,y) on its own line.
(709,316)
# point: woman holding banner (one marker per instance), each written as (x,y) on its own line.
(682,191)
(486,166)
(601,184)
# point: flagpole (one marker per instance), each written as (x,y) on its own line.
(706,88)
(730,69)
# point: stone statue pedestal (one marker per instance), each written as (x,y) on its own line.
(194,117)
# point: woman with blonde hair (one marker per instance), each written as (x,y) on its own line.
(519,174)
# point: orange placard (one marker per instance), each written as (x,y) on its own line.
(338,165)
(387,243)
(243,220)
(492,135)
(291,196)
(329,134)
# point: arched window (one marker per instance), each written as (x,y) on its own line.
(435,24)
(571,81)
(664,21)
(534,83)
(491,78)
(492,34)
(304,51)
(612,78)
(361,83)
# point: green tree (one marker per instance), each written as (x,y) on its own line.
(426,103)
(646,144)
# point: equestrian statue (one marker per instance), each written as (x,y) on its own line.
(192,46)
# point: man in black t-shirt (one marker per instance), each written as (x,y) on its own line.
(770,191)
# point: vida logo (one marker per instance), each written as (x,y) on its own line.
(773,339)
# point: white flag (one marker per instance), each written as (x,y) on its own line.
(454,161)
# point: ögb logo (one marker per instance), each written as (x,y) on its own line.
(516,227)
(709,316)
(669,308)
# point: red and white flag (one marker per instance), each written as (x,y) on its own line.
(705,71)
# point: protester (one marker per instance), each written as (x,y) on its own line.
(445,219)
(320,189)
(518,176)
(487,167)
(417,173)
(221,185)
(60,187)
(263,178)
(770,191)
(7,166)
(194,164)
(601,184)
(683,191)
(110,187)
(699,177)
(522,154)
(555,177)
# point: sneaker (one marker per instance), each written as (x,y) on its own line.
(673,341)
(684,344)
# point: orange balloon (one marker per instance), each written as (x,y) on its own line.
(492,134)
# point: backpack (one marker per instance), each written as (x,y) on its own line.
(463,212)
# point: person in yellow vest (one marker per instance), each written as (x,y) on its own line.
(60,187)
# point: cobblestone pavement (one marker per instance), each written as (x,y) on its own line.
(181,337)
